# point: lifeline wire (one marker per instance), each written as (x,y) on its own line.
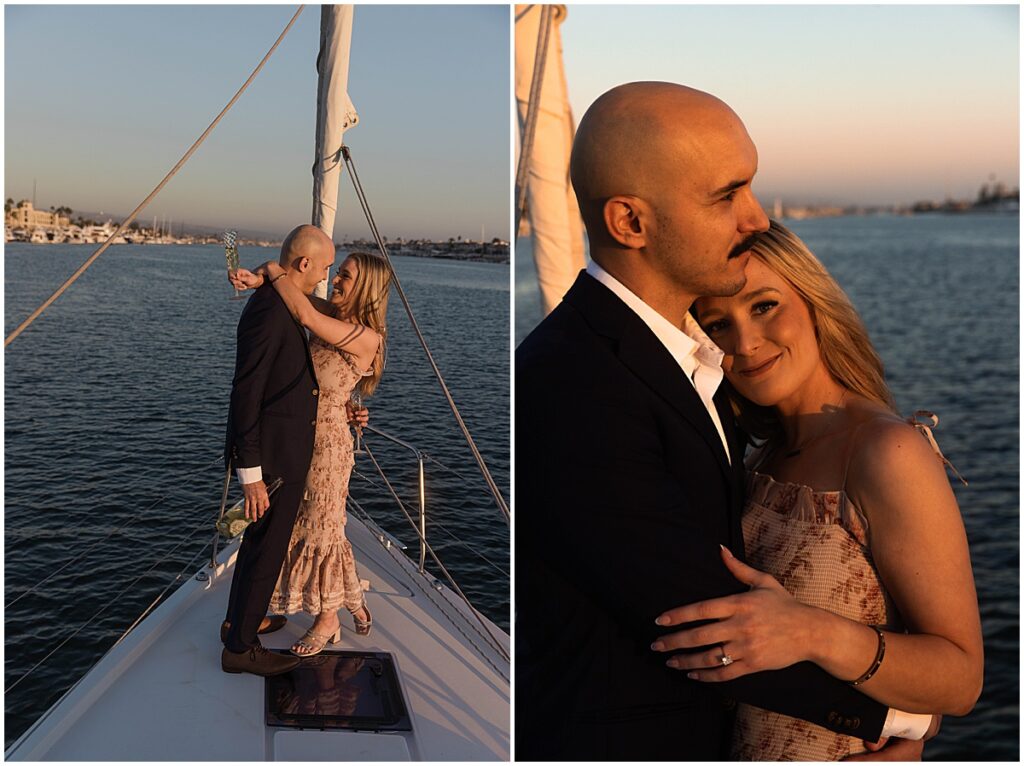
(423,541)
(106,606)
(93,547)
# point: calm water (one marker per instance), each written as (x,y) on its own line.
(940,297)
(115,403)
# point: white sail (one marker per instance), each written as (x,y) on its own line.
(334,115)
(555,225)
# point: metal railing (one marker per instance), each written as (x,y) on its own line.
(420,524)
(421,458)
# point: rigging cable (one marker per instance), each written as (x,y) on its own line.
(81,269)
(547,14)
(498,498)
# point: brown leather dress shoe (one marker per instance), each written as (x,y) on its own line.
(258,661)
(269,625)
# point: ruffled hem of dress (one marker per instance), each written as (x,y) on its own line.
(301,604)
(802,503)
(303,589)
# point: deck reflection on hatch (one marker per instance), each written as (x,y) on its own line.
(339,690)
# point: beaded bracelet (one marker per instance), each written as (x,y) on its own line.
(878,658)
(279,276)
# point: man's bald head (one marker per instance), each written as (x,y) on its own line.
(663,176)
(638,137)
(303,242)
(308,254)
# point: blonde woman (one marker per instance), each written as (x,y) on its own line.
(859,559)
(348,333)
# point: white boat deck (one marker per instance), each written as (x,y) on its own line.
(160,694)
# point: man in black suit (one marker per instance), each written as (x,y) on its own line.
(271,424)
(628,464)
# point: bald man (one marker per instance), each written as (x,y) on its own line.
(629,468)
(271,425)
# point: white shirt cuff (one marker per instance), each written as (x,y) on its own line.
(906,725)
(249,475)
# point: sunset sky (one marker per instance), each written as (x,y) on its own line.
(846,104)
(101,101)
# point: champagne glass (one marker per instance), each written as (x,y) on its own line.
(356,400)
(231,256)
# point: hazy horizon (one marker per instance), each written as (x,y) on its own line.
(848,105)
(101,101)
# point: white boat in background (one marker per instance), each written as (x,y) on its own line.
(431,682)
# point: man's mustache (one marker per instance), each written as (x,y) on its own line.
(743,246)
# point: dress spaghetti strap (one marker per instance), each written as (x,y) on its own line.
(849,454)
(925,429)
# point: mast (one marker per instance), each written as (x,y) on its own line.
(334,115)
(555,225)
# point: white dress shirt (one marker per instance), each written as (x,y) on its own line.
(695,353)
(249,475)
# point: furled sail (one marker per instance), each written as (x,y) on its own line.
(546,135)
(334,114)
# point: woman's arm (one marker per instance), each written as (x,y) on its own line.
(920,550)
(243,279)
(919,546)
(358,340)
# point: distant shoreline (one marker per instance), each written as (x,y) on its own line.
(460,251)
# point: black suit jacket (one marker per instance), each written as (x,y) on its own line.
(623,494)
(274,394)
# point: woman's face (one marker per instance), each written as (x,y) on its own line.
(344,281)
(766,332)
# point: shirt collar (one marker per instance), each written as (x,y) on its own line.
(689,346)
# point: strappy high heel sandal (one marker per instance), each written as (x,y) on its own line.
(311,644)
(363,627)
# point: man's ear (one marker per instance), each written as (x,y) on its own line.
(625,218)
(302,264)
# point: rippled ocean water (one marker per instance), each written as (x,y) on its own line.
(940,297)
(115,404)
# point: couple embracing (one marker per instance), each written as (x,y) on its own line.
(288,420)
(680,596)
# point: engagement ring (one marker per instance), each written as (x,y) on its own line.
(725,659)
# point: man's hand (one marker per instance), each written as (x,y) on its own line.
(357,418)
(893,749)
(257,501)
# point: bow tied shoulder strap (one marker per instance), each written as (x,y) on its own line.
(924,421)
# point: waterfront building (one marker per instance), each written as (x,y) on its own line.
(25,216)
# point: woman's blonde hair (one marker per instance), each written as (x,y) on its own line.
(843,342)
(368,306)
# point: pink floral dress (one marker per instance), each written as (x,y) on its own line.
(319,572)
(815,544)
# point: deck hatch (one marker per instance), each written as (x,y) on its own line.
(339,690)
